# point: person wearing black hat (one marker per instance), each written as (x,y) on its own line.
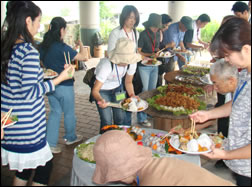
(174,35)
(148,45)
(192,39)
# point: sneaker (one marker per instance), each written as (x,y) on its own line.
(145,123)
(79,138)
(55,150)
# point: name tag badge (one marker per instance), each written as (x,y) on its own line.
(120,96)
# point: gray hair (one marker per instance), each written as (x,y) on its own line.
(223,70)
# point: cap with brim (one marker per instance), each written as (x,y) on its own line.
(155,20)
(124,52)
(187,22)
(118,157)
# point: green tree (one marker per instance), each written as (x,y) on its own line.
(107,19)
(65,12)
(210,29)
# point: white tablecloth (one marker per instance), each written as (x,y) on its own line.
(82,171)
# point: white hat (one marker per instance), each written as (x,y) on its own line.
(124,52)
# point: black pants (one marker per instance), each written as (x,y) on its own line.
(222,123)
(242,180)
(168,65)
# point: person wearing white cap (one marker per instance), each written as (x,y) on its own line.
(108,85)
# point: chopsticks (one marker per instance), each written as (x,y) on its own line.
(5,118)
(161,50)
(168,134)
(193,126)
(69,61)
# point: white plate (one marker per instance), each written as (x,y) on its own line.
(171,55)
(157,64)
(50,77)
(141,104)
(9,124)
(188,152)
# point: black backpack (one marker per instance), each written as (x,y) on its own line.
(97,39)
(90,78)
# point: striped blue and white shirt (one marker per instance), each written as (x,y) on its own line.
(24,93)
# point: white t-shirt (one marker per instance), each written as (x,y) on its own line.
(195,37)
(109,79)
(118,33)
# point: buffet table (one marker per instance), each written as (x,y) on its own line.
(82,171)
(164,120)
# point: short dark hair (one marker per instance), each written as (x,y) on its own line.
(231,36)
(204,18)
(166,19)
(240,7)
(126,13)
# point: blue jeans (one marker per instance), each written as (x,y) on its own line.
(127,118)
(149,77)
(180,63)
(110,114)
(61,100)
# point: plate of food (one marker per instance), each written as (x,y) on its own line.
(151,62)
(192,142)
(11,120)
(160,144)
(85,152)
(185,89)
(195,70)
(134,104)
(189,79)
(49,74)
(176,103)
(166,54)
(180,51)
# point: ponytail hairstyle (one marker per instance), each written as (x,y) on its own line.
(53,34)
(14,28)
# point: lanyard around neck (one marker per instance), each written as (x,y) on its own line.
(128,35)
(121,87)
(152,43)
(239,91)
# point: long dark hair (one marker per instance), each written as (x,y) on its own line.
(14,27)
(231,36)
(126,13)
(53,34)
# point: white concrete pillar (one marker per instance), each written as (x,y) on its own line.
(89,21)
(177,9)
(3,11)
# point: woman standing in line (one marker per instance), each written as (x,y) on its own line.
(24,146)
(108,86)
(52,51)
(129,20)
(148,45)
(233,42)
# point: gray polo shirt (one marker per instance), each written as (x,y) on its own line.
(239,133)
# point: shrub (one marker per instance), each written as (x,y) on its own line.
(208,32)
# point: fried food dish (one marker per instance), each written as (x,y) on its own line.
(174,99)
(188,89)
